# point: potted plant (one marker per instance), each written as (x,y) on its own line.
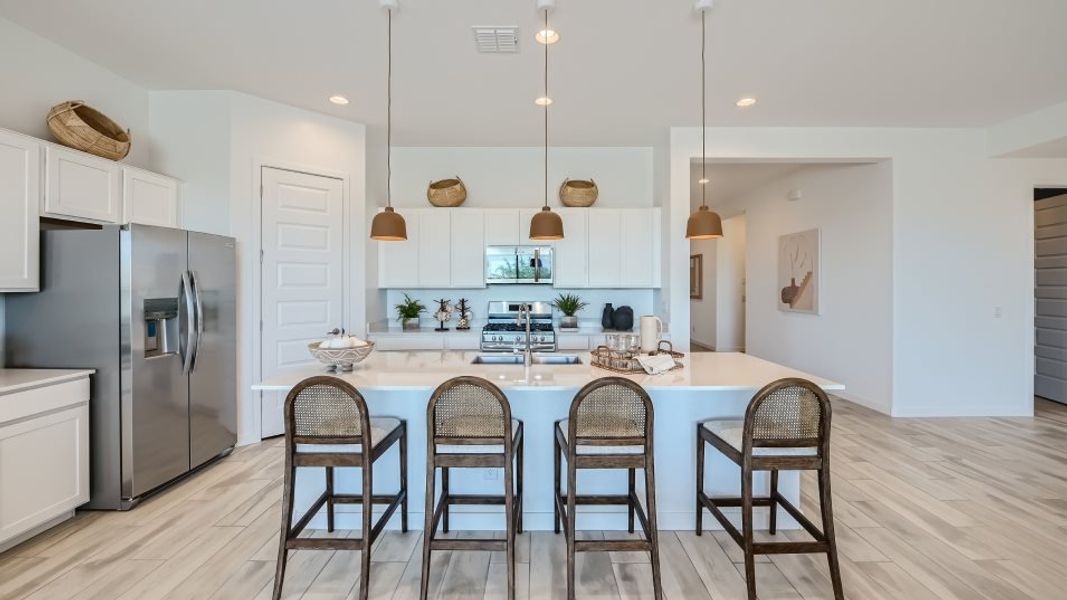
(408,312)
(569,305)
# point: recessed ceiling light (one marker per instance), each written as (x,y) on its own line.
(547,36)
(746,102)
(543,101)
(703,181)
(341,100)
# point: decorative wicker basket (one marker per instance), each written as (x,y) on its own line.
(578,192)
(447,192)
(626,362)
(82,127)
(340,359)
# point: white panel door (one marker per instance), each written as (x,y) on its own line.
(20,197)
(398,262)
(502,227)
(82,186)
(148,198)
(571,254)
(605,239)
(468,248)
(302,273)
(636,247)
(435,248)
(1050,305)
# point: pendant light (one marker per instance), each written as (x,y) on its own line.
(546,225)
(389,226)
(704,224)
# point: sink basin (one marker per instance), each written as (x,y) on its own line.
(517,359)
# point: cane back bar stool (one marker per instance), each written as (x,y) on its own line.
(610,427)
(786,427)
(469,425)
(327,425)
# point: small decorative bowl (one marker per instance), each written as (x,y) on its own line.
(340,359)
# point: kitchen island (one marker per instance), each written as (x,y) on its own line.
(710,385)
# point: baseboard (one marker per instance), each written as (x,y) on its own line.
(885,410)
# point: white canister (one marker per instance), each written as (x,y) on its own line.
(651,328)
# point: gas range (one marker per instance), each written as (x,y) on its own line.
(503,332)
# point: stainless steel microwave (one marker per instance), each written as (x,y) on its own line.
(518,264)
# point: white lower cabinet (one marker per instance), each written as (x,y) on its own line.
(149,199)
(20,193)
(44,456)
(572,342)
(81,186)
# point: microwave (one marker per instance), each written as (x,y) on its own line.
(518,264)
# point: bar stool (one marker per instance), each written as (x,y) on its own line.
(469,425)
(610,427)
(327,425)
(787,427)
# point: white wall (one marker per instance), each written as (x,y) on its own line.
(514,177)
(730,262)
(221,192)
(962,249)
(704,312)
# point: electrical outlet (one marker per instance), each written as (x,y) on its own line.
(491,474)
(998,311)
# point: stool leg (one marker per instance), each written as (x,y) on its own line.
(287,525)
(404,477)
(572,481)
(509,513)
(427,535)
(700,483)
(653,532)
(632,476)
(329,499)
(825,505)
(556,452)
(444,490)
(368,513)
(518,471)
(746,533)
(774,501)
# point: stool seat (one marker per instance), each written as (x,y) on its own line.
(380,428)
(490,447)
(623,430)
(732,430)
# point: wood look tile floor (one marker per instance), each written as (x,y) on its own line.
(936,508)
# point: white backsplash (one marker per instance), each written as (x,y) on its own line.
(641,300)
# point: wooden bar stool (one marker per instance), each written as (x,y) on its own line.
(786,427)
(327,425)
(469,425)
(610,427)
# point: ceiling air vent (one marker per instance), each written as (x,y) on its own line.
(493,39)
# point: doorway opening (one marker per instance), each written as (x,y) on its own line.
(1050,294)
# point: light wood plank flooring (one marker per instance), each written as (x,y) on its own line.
(939,508)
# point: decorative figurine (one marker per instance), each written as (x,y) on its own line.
(465,315)
(443,314)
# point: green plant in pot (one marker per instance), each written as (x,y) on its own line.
(570,305)
(408,312)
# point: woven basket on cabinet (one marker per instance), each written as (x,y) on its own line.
(578,192)
(82,127)
(447,192)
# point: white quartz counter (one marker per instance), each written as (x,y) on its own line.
(713,371)
(18,380)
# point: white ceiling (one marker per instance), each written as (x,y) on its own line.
(624,72)
(730,180)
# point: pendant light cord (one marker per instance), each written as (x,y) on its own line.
(546,106)
(389,110)
(703,109)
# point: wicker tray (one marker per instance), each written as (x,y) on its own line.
(340,359)
(626,362)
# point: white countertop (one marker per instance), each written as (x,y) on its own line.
(18,380)
(714,371)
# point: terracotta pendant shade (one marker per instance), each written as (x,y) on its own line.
(704,224)
(546,225)
(388,226)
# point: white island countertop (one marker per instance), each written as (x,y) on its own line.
(712,371)
(19,380)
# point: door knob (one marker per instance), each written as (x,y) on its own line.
(335,331)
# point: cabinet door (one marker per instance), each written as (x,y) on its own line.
(81,186)
(435,248)
(20,197)
(605,239)
(657,247)
(398,262)
(148,198)
(636,247)
(571,254)
(502,227)
(468,248)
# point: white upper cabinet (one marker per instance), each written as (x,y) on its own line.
(398,262)
(81,186)
(571,254)
(605,245)
(20,196)
(502,227)
(435,247)
(148,198)
(468,248)
(636,250)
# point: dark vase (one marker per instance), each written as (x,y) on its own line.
(608,320)
(624,318)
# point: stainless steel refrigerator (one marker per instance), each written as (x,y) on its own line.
(153,310)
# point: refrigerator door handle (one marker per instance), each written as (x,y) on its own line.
(186,341)
(198,318)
